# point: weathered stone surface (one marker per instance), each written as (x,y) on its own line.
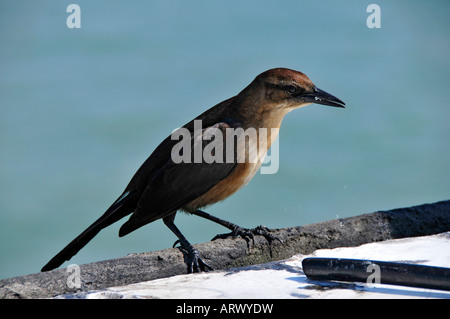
(420,220)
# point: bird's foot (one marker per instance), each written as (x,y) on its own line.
(248,234)
(193,260)
(196,263)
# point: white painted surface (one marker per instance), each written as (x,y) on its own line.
(285,279)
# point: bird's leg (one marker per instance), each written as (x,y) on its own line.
(236,230)
(194,262)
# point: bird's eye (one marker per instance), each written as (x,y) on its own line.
(290,88)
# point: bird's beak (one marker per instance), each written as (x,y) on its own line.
(322,97)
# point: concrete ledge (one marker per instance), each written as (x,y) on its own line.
(419,220)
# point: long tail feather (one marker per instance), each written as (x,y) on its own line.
(123,206)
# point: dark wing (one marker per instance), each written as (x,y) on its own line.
(157,187)
(178,183)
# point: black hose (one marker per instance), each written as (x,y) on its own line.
(372,271)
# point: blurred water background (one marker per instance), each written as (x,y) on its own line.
(81,109)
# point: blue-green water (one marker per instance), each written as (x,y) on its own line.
(81,109)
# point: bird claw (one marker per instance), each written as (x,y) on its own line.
(245,233)
(248,234)
(194,262)
(175,243)
(266,232)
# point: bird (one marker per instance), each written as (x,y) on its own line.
(165,185)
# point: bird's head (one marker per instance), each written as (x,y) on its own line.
(280,90)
